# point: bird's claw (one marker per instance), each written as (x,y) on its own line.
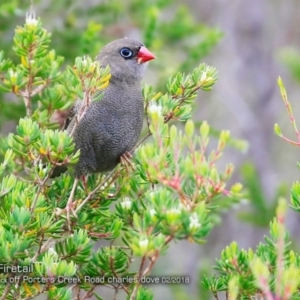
(126,161)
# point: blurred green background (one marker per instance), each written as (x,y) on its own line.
(250,43)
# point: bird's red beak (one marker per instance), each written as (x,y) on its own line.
(144,55)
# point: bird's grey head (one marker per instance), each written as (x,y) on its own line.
(127,59)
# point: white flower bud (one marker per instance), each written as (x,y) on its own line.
(152,212)
(155,109)
(194,222)
(144,244)
(30,19)
(126,203)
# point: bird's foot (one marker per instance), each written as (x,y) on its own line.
(84,181)
(125,160)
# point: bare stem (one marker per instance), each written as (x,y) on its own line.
(290,141)
(111,261)
(293,121)
(82,110)
(89,293)
(216,295)
(43,248)
(6,291)
(148,269)
(280,256)
(27,101)
(93,192)
(41,186)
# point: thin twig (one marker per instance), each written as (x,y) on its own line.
(148,269)
(85,103)
(27,101)
(290,141)
(89,293)
(43,248)
(6,291)
(216,295)
(38,89)
(116,275)
(140,142)
(93,192)
(153,259)
(41,186)
(280,256)
(142,266)
(292,119)
(147,115)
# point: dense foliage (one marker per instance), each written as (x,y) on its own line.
(271,271)
(173,193)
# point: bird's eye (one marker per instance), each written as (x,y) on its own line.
(126,53)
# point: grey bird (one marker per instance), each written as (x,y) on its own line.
(111,126)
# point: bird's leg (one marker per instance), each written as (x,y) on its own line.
(125,160)
(84,181)
(70,205)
